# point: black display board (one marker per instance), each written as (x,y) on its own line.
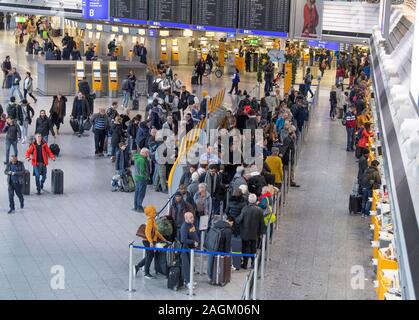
(215,15)
(129,11)
(170,13)
(265,17)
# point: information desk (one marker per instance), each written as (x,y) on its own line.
(59,76)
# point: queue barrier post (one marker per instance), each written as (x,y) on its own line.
(201,262)
(247,290)
(191,271)
(131,271)
(262,271)
(255,277)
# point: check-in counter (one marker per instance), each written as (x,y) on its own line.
(59,76)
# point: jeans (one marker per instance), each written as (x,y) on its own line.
(25,93)
(267,86)
(80,122)
(8,145)
(140,190)
(99,141)
(332,113)
(12,92)
(235,87)
(160,177)
(24,129)
(146,262)
(39,171)
(126,99)
(15,188)
(366,193)
(350,138)
(308,89)
(248,246)
(200,75)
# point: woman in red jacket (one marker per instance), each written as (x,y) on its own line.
(364,139)
(40,153)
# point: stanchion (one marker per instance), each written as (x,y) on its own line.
(262,268)
(201,262)
(255,277)
(191,271)
(131,271)
(247,290)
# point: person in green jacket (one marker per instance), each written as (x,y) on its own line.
(141,177)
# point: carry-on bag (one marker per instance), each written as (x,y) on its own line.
(55,149)
(57,181)
(26,188)
(174,278)
(74,125)
(355,204)
(221,274)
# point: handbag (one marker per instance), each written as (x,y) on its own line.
(203,223)
(87,125)
(141,232)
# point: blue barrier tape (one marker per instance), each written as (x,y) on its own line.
(196,251)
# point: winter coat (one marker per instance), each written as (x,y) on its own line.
(62,109)
(226,233)
(46,152)
(251,222)
(85,108)
(256,183)
(179,216)
(13,132)
(235,206)
(44,126)
(20,172)
(117,135)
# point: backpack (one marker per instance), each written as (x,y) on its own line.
(213,239)
(128,184)
(164,227)
(116,183)
(367,179)
(191,99)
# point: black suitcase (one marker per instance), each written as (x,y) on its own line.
(55,149)
(135,105)
(355,204)
(236,247)
(74,125)
(57,181)
(194,80)
(221,274)
(26,187)
(174,278)
(160,263)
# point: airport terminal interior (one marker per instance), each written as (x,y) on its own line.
(209,150)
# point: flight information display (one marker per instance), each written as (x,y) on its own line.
(215,15)
(129,11)
(170,13)
(264,17)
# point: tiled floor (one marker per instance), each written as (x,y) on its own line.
(88,229)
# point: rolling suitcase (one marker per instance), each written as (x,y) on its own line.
(74,125)
(174,278)
(194,80)
(221,274)
(160,262)
(135,104)
(26,187)
(57,181)
(236,247)
(355,204)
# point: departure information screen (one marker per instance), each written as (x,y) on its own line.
(264,17)
(215,15)
(129,11)
(170,13)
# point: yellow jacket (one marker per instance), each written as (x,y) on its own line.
(275,165)
(151,232)
(362,119)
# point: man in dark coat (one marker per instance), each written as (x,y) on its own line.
(44,126)
(252,226)
(80,111)
(177,211)
(15,171)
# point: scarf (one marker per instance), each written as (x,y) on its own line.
(208,181)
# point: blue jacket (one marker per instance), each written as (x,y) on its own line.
(236,78)
(188,235)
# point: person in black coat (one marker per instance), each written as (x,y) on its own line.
(44,126)
(15,171)
(122,159)
(225,242)
(58,110)
(117,136)
(84,88)
(80,111)
(256,182)
(236,204)
(252,227)
(200,67)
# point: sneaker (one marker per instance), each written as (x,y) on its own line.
(11,211)
(140,209)
(22,206)
(38,192)
(188,286)
(149,276)
(243,267)
(136,269)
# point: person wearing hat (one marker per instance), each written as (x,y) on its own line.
(274,163)
(177,211)
(252,226)
(152,236)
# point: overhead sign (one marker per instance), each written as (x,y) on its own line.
(95,9)
(324,45)
(276,55)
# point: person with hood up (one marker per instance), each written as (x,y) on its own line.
(152,236)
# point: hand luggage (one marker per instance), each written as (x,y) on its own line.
(160,262)
(172,257)
(355,204)
(174,278)
(221,274)
(87,125)
(164,226)
(55,149)
(74,125)
(194,80)
(135,104)
(128,184)
(26,187)
(236,247)
(116,184)
(57,181)
(2,123)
